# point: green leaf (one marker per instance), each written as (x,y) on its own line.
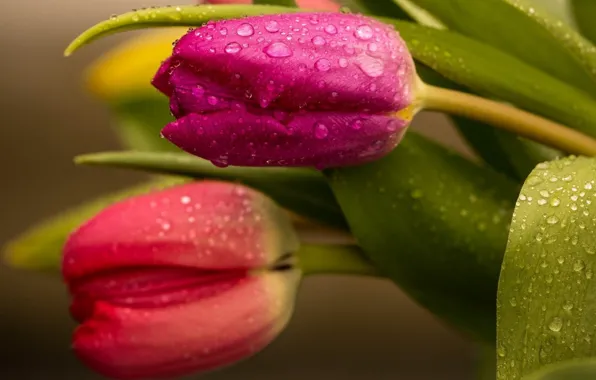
(583,12)
(436,224)
(582,369)
(502,150)
(40,248)
(303,191)
(491,72)
(546,309)
(525,32)
(138,122)
(386,8)
(283,3)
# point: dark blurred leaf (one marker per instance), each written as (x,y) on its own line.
(582,369)
(546,308)
(525,32)
(303,191)
(436,224)
(40,248)
(584,12)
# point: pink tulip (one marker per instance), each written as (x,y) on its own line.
(183,280)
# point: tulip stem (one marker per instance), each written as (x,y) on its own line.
(509,118)
(334,259)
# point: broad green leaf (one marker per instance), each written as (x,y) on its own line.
(436,224)
(584,12)
(525,32)
(283,3)
(546,299)
(416,13)
(581,369)
(40,248)
(303,191)
(138,122)
(386,8)
(471,63)
(491,72)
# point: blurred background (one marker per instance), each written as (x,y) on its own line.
(343,328)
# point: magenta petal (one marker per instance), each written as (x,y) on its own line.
(318,139)
(314,61)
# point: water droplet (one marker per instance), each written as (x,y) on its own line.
(343,62)
(556,324)
(568,306)
(321,131)
(371,67)
(272,26)
(393,125)
(223,31)
(185,200)
(579,266)
(560,259)
(364,32)
(245,30)
(232,48)
(588,186)
(278,50)
(357,124)
(318,41)
(323,64)
(552,220)
(212,100)
(331,29)
(513,302)
(555,202)
(501,351)
(373,47)
(198,91)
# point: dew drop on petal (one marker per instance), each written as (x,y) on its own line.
(331,29)
(245,30)
(318,41)
(343,62)
(272,26)
(393,125)
(364,32)
(198,91)
(323,64)
(357,124)
(233,48)
(212,100)
(223,31)
(371,67)
(278,50)
(321,131)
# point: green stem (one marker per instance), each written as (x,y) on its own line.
(334,259)
(509,118)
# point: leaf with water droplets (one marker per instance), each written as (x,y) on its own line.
(548,268)
(583,12)
(303,191)
(580,369)
(436,224)
(524,31)
(492,72)
(40,248)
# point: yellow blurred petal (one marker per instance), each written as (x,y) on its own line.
(127,69)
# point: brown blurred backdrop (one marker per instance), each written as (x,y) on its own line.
(343,328)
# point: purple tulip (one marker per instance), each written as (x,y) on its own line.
(304,89)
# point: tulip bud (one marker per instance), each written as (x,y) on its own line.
(306,89)
(187,279)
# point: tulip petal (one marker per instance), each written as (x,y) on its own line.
(208,225)
(320,139)
(199,335)
(313,61)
